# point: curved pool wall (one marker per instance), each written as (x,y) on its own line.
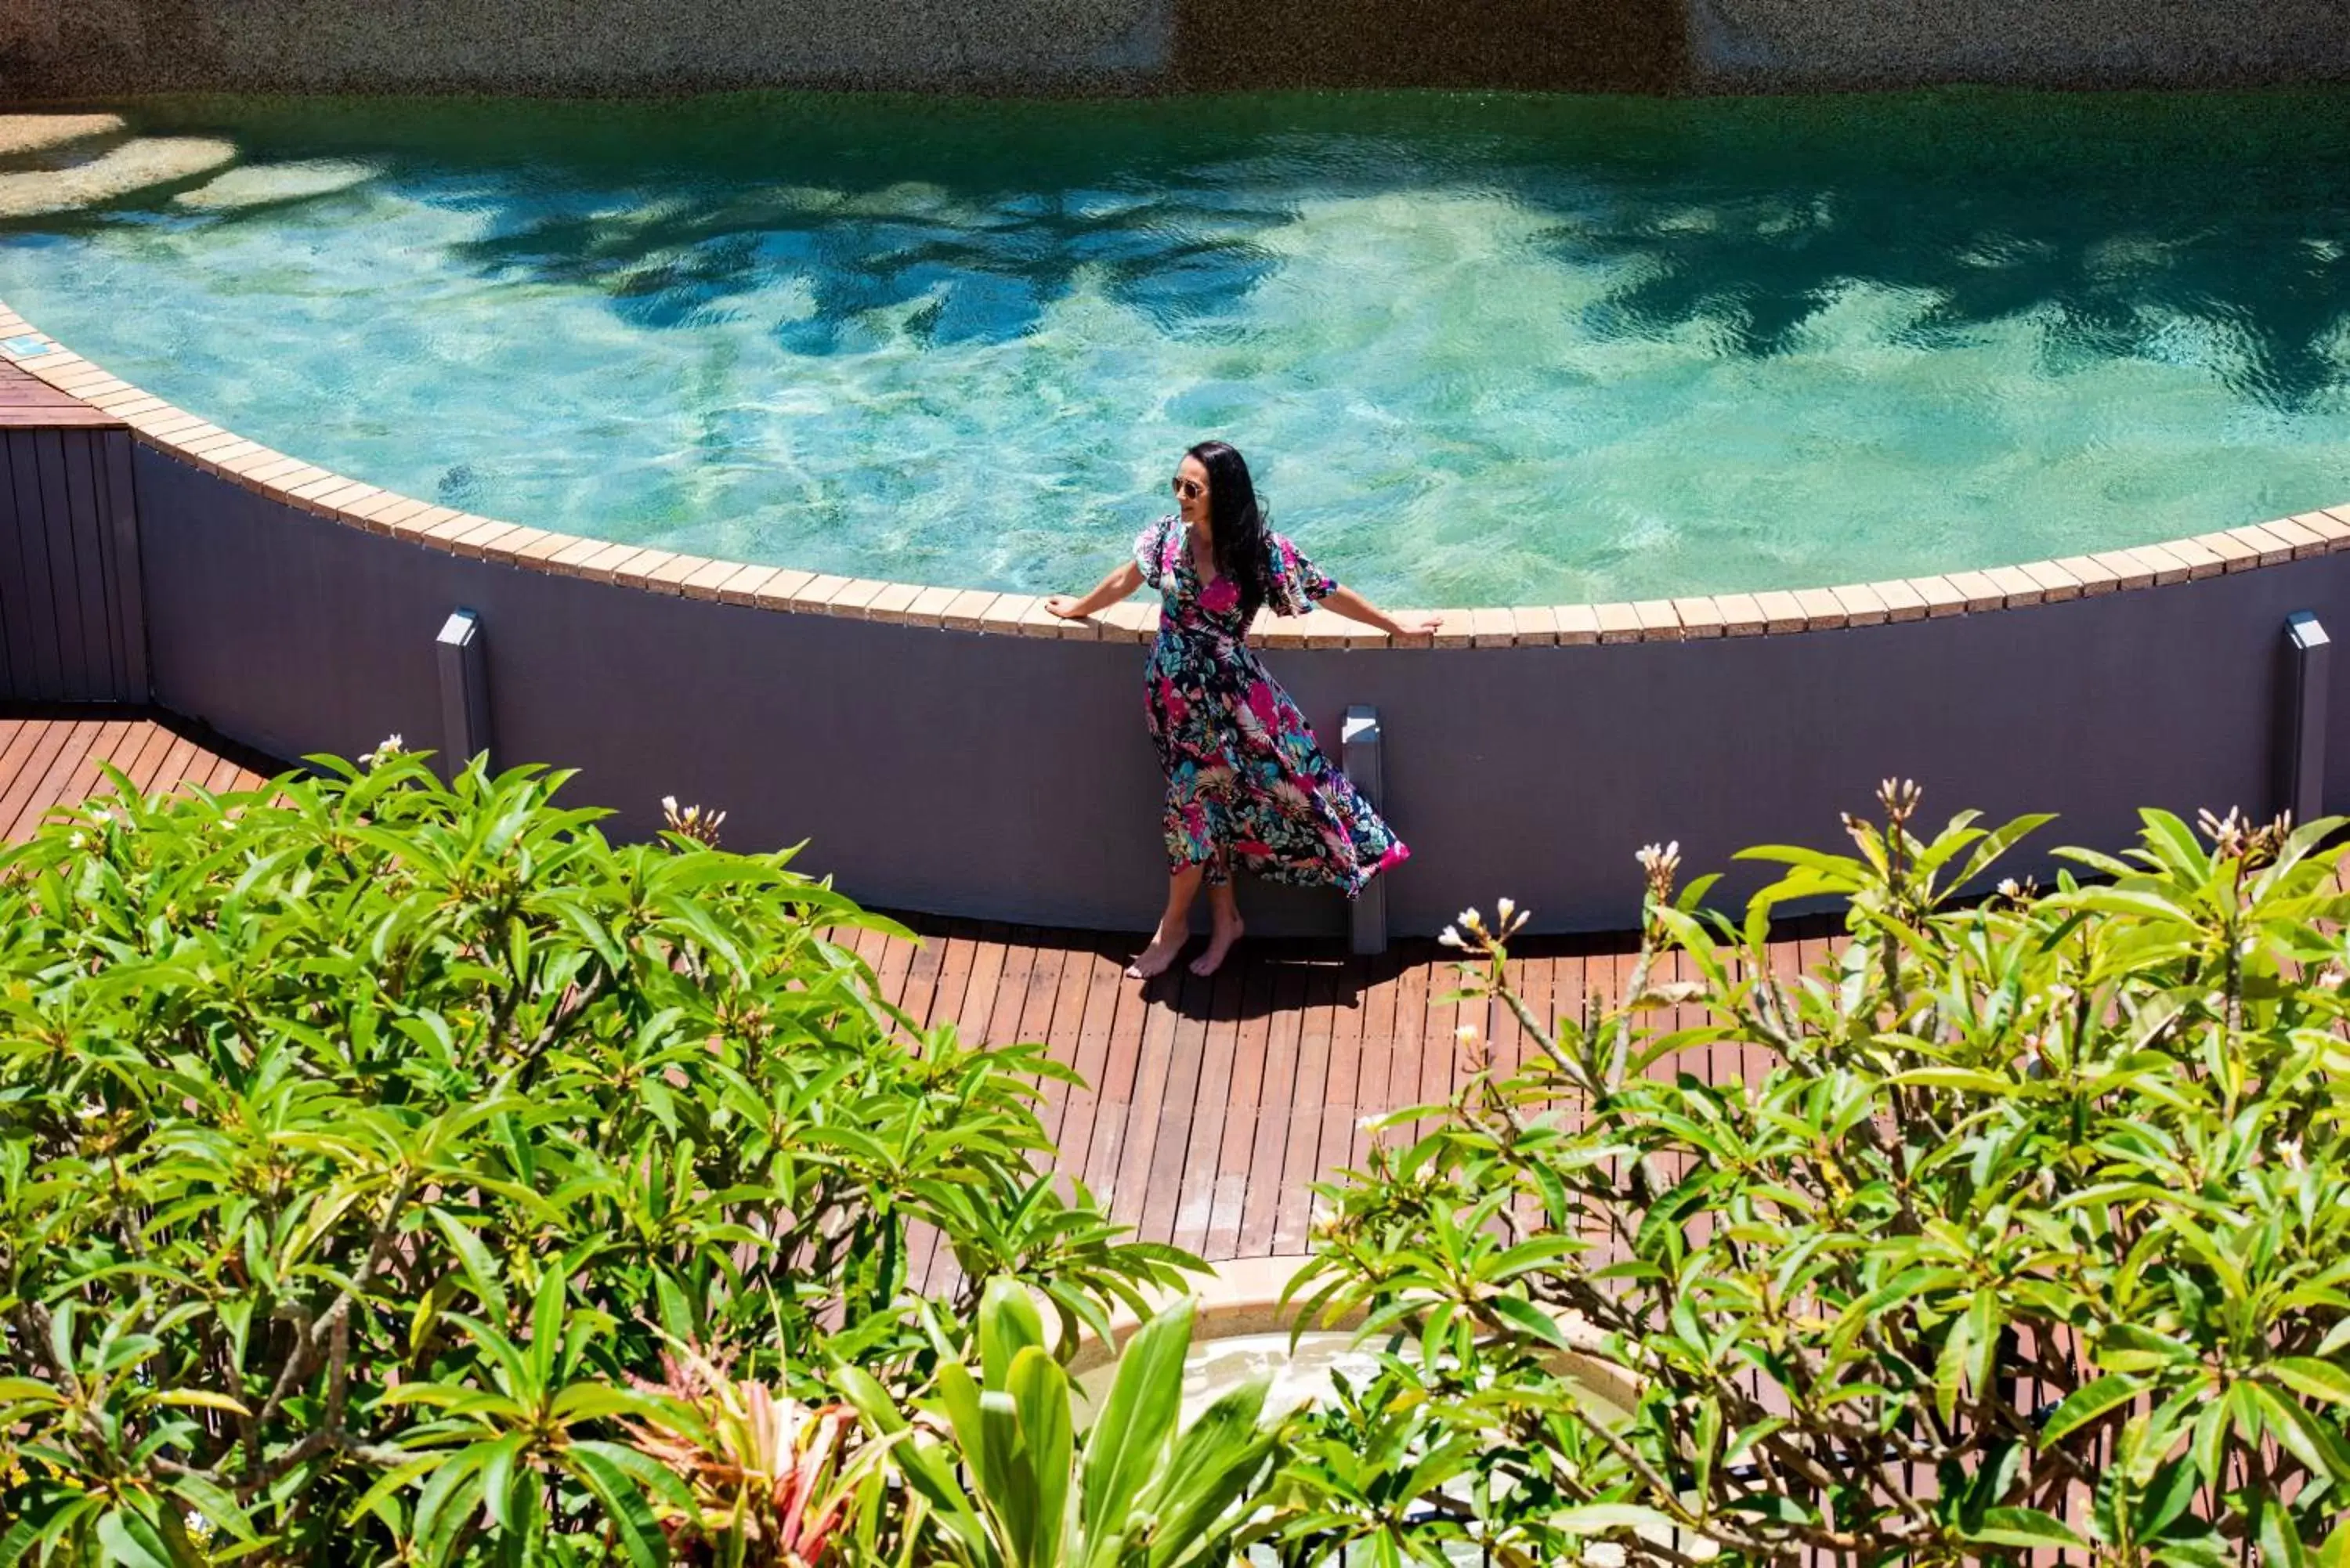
(961,753)
(62,49)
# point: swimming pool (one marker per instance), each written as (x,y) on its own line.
(1482,349)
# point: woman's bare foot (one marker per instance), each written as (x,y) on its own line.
(1220,942)
(1156,959)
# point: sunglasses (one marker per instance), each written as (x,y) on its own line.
(1188,488)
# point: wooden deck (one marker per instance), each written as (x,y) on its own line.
(1209,1106)
(27,403)
(50,756)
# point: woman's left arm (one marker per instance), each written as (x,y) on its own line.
(1354,606)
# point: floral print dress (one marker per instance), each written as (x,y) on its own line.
(1247,789)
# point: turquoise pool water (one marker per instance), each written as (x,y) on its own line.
(1480,349)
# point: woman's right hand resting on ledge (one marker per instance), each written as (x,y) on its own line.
(1121,582)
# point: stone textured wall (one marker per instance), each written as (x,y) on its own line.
(1778,45)
(98,47)
(58,48)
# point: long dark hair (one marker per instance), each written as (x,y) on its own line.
(1242,554)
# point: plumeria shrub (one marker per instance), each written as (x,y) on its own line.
(401,1172)
(2025,1228)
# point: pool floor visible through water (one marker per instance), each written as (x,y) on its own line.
(1478,349)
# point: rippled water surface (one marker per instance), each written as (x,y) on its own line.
(1480,349)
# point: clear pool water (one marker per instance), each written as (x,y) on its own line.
(1480,348)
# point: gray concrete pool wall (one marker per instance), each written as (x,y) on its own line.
(1009,776)
(60,48)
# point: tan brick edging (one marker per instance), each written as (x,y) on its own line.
(360,506)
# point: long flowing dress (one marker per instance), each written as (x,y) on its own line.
(1247,789)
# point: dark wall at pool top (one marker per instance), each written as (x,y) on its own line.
(1009,776)
(1592,45)
(52,48)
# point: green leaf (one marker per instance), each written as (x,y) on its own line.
(631,1516)
(221,1509)
(481,1270)
(1528,1318)
(1208,1475)
(1008,1323)
(133,1541)
(2281,1542)
(2336,1551)
(1136,1420)
(2125,1347)
(2300,1434)
(2025,1527)
(1601,1517)
(498,1479)
(2319,1380)
(2087,1403)
(1040,1396)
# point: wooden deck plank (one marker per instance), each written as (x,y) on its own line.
(223,776)
(27,403)
(1236,1145)
(1021,954)
(23,785)
(919,987)
(76,775)
(1084,1017)
(1267,1148)
(973,1013)
(16,738)
(1195,1196)
(1129,1012)
(1410,1041)
(955,961)
(1376,1051)
(1301,1158)
(1037,1013)
(84,780)
(154,744)
(1342,1097)
(864,942)
(889,974)
(51,774)
(960,942)
(1155,1065)
(1439,1041)
(1159,1204)
(178,759)
(1469,1013)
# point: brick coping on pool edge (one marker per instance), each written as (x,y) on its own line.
(360,506)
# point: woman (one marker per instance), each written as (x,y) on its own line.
(1247,788)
